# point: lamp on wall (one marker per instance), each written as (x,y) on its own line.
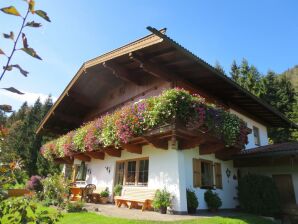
(108,169)
(89,171)
(228,173)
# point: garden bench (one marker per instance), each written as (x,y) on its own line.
(133,196)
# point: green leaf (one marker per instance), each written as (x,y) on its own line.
(13,90)
(9,36)
(33,24)
(31,6)
(25,42)
(11,10)
(31,52)
(43,15)
(24,72)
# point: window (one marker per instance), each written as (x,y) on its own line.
(132,172)
(143,172)
(119,175)
(81,171)
(207,173)
(203,174)
(256,135)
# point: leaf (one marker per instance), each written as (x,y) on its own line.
(24,72)
(25,42)
(31,6)
(6,108)
(43,15)
(13,90)
(31,52)
(33,24)
(11,10)
(9,36)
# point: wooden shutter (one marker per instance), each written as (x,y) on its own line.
(197,181)
(218,176)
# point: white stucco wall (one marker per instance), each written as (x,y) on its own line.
(227,193)
(250,123)
(165,168)
(269,171)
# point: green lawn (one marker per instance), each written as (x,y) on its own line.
(93,218)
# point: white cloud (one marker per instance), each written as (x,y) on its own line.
(27,96)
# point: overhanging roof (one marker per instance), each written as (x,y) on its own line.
(83,92)
(280,149)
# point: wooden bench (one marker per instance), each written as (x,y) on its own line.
(133,196)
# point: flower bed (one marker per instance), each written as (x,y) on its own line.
(137,118)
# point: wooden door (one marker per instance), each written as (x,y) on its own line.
(285,187)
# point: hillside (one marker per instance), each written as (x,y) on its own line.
(292,75)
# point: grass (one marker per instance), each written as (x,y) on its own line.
(93,218)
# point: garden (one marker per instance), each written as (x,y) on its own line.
(47,201)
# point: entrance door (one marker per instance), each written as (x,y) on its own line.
(285,187)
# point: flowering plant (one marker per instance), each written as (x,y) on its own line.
(135,119)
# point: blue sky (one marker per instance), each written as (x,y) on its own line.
(264,32)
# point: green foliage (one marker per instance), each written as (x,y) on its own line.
(25,210)
(276,90)
(21,142)
(258,194)
(117,190)
(55,189)
(173,105)
(105,193)
(77,206)
(162,199)
(192,200)
(212,199)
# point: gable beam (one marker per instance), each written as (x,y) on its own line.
(151,68)
(120,72)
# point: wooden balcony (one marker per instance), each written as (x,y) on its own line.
(175,136)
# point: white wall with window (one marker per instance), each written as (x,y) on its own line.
(255,126)
(203,172)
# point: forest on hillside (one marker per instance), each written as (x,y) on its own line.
(21,143)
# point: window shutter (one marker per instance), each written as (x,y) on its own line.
(218,176)
(197,181)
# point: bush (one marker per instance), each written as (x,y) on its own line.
(55,190)
(212,199)
(258,194)
(35,184)
(25,210)
(105,193)
(162,199)
(192,201)
(77,206)
(117,190)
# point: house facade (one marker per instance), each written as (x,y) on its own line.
(168,157)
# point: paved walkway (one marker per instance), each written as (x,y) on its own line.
(113,211)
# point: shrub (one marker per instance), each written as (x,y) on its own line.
(258,194)
(117,190)
(192,201)
(105,193)
(25,210)
(162,199)
(212,199)
(77,206)
(55,190)
(35,184)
